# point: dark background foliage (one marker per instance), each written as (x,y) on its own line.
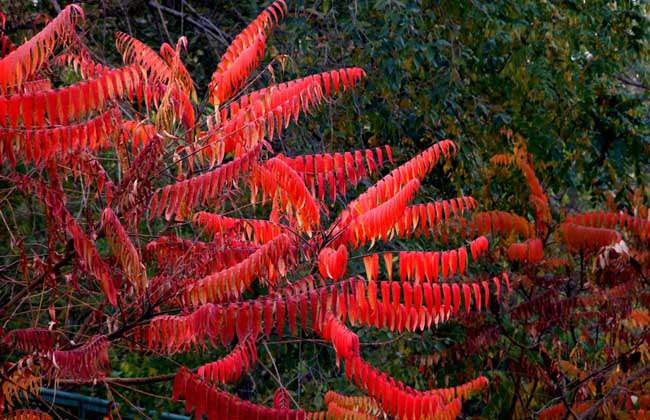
(568,76)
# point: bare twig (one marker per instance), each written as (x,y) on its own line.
(121,381)
(209,31)
(158,7)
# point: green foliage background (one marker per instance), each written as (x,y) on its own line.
(569,76)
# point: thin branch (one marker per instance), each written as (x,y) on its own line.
(210,32)
(120,381)
(634,83)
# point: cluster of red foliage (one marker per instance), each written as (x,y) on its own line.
(276,275)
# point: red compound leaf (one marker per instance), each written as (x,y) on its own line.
(530,251)
(345,342)
(123,249)
(170,334)
(135,52)
(25,61)
(184,196)
(244,54)
(379,222)
(196,258)
(89,361)
(394,397)
(160,71)
(419,265)
(356,405)
(212,323)
(392,183)
(611,220)
(281,399)
(73,102)
(423,304)
(253,230)
(425,219)
(371,264)
(172,56)
(214,403)
(134,192)
(91,260)
(538,198)
(173,104)
(337,412)
(42,144)
(333,264)
(276,176)
(230,368)
(536,305)
(168,248)
(337,169)
(29,340)
(137,133)
(502,159)
(500,223)
(266,112)
(269,260)
(587,239)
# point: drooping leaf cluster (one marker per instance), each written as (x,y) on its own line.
(166,228)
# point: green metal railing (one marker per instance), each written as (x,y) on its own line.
(91,407)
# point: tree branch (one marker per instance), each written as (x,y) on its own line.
(614,391)
(211,31)
(133,381)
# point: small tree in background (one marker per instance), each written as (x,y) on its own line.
(160,230)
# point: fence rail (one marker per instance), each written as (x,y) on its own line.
(92,407)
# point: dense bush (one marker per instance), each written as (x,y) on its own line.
(530,304)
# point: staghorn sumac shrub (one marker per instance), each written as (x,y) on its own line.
(172,229)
